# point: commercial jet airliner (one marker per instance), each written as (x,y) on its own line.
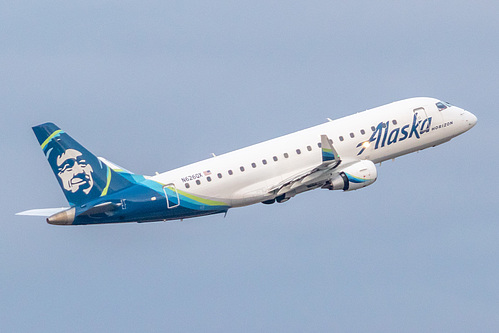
(336,155)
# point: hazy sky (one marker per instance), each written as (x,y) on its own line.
(157,85)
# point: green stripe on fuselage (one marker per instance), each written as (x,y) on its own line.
(207,202)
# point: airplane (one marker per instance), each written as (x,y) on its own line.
(336,155)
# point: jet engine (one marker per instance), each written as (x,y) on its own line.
(353,177)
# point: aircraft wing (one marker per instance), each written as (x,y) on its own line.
(46,212)
(315,175)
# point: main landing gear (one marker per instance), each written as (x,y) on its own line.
(280,199)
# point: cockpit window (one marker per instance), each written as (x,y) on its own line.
(441,106)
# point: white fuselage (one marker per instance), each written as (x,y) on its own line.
(271,162)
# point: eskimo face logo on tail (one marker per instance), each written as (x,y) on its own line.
(74,171)
(383,135)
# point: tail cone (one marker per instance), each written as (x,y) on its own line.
(66,217)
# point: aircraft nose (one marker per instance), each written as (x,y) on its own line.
(471,119)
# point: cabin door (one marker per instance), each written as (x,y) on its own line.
(420,114)
(171,194)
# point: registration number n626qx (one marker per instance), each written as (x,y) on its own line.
(192,177)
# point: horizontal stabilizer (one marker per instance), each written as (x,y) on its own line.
(113,166)
(46,212)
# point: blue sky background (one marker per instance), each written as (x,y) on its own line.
(157,85)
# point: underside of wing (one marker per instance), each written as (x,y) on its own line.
(314,177)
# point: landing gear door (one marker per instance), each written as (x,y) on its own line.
(171,194)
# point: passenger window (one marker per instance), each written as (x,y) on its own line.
(187,185)
(384,125)
(352,135)
(373,128)
(319,144)
(253,165)
(298,151)
(309,148)
(230,172)
(341,138)
(274,158)
(242,169)
(394,122)
(362,132)
(331,141)
(198,182)
(208,178)
(264,162)
(219,175)
(286,155)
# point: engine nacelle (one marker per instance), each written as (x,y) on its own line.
(353,177)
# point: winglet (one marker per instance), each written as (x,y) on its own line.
(329,154)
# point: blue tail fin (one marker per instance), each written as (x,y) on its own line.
(81,175)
